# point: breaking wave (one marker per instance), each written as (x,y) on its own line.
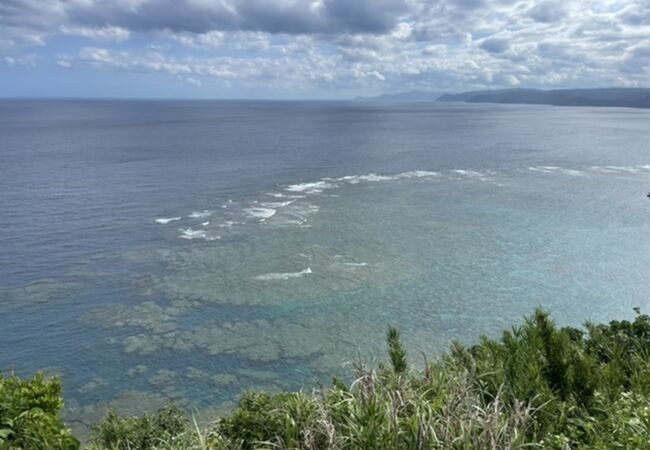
(311,188)
(200,214)
(166,220)
(260,212)
(289,208)
(283,276)
(607,169)
(190,234)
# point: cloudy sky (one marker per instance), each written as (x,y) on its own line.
(317,48)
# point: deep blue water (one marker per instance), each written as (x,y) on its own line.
(189,250)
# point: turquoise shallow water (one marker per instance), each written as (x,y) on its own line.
(145,262)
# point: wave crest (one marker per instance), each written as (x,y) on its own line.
(283,275)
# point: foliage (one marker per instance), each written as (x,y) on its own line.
(29,414)
(537,386)
(140,433)
(396,351)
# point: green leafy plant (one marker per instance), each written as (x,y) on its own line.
(140,433)
(29,414)
(537,386)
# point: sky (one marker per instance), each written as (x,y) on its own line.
(320,49)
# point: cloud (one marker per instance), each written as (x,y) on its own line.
(341,45)
(637,60)
(495,45)
(249,41)
(206,40)
(271,72)
(547,11)
(102,34)
(273,16)
(20,61)
(31,14)
(193,81)
(636,14)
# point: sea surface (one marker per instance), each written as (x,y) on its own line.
(154,251)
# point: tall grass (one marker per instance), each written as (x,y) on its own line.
(538,386)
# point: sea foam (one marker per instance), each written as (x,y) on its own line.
(283,276)
(620,169)
(275,205)
(311,188)
(356,179)
(372,177)
(189,233)
(228,224)
(200,214)
(556,169)
(260,212)
(166,220)
(418,174)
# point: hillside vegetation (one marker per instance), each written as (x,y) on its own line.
(619,97)
(538,386)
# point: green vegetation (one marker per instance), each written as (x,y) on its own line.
(29,415)
(538,386)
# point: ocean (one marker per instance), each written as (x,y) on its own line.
(190,250)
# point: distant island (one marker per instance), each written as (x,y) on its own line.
(626,97)
(403,97)
(621,97)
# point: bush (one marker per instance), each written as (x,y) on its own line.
(29,414)
(538,386)
(139,433)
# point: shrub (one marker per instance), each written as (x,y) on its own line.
(29,414)
(139,433)
(537,386)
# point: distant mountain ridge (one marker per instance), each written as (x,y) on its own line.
(622,97)
(410,96)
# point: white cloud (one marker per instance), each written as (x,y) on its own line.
(210,39)
(20,61)
(101,34)
(346,44)
(193,81)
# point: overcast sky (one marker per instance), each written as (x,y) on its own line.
(317,48)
